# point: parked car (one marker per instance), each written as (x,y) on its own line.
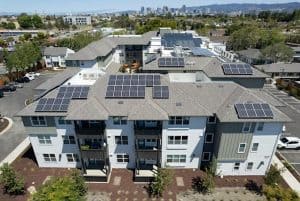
(23,80)
(289,143)
(9,87)
(29,76)
(34,74)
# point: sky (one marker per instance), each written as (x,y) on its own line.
(109,5)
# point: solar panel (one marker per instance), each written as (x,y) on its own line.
(160,92)
(78,92)
(253,111)
(185,40)
(237,69)
(52,105)
(171,62)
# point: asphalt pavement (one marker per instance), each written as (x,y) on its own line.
(10,104)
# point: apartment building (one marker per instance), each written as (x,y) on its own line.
(78,20)
(55,56)
(147,120)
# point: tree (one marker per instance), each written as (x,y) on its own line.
(37,22)
(278,193)
(273,175)
(9,25)
(278,52)
(25,21)
(162,179)
(12,183)
(67,188)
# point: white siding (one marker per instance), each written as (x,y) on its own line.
(193,150)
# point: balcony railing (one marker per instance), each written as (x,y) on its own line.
(142,130)
(91,147)
(96,130)
(148,147)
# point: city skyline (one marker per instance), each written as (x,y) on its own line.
(66,6)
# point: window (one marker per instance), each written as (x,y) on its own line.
(179,121)
(120,120)
(209,138)
(242,148)
(236,166)
(177,139)
(49,157)
(247,127)
(260,126)
(38,121)
(44,139)
(206,156)
(249,166)
(254,147)
(69,139)
(176,158)
(212,119)
(121,139)
(122,158)
(62,121)
(72,158)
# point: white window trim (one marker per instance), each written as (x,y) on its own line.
(244,125)
(252,147)
(122,140)
(38,125)
(73,157)
(68,138)
(123,158)
(213,135)
(247,166)
(179,158)
(120,119)
(208,155)
(50,159)
(182,120)
(240,146)
(174,136)
(44,144)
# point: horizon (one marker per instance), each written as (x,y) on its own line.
(37,6)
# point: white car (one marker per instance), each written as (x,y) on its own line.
(289,143)
(29,76)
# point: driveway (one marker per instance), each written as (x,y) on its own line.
(292,109)
(12,103)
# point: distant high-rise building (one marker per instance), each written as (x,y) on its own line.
(165,9)
(183,8)
(142,10)
(149,10)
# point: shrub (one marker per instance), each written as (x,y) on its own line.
(162,179)
(278,193)
(273,175)
(12,184)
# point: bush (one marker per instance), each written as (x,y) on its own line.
(12,184)
(162,179)
(273,175)
(278,193)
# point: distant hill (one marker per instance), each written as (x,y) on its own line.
(247,7)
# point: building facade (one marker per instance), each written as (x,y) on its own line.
(78,20)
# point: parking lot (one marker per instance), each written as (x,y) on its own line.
(10,104)
(292,109)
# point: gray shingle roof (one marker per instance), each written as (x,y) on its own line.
(280,67)
(55,51)
(251,53)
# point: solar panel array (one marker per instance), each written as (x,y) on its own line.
(237,69)
(53,105)
(171,62)
(125,91)
(253,111)
(180,39)
(160,92)
(62,100)
(198,51)
(73,92)
(134,80)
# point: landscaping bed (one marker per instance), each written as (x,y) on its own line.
(3,124)
(288,166)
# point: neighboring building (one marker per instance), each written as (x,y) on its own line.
(55,56)
(16,33)
(281,70)
(178,111)
(252,56)
(78,20)
(296,57)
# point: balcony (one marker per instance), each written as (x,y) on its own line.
(145,147)
(92,147)
(143,130)
(95,129)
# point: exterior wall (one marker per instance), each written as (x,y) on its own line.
(245,82)
(261,159)
(193,150)
(114,149)
(57,147)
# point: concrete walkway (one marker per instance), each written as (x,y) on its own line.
(287,176)
(10,123)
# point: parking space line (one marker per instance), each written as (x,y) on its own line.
(290,152)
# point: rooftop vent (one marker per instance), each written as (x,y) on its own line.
(178,104)
(120,102)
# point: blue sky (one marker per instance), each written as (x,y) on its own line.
(108,5)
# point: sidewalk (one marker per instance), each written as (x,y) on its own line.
(287,176)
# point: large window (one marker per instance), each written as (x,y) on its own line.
(121,140)
(72,158)
(254,147)
(176,158)
(120,120)
(179,120)
(69,139)
(62,121)
(177,139)
(44,139)
(38,121)
(209,138)
(247,127)
(122,158)
(242,148)
(260,126)
(49,157)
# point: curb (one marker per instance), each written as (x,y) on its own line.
(10,123)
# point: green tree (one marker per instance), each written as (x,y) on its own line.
(25,21)
(162,179)
(273,176)
(67,188)
(9,25)
(37,22)
(278,193)
(12,183)
(278,52)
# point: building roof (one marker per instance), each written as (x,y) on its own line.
(55,51)
(251,53)
(296,49)
(280,67)
(185,99)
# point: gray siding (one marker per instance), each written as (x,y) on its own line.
(50,121)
